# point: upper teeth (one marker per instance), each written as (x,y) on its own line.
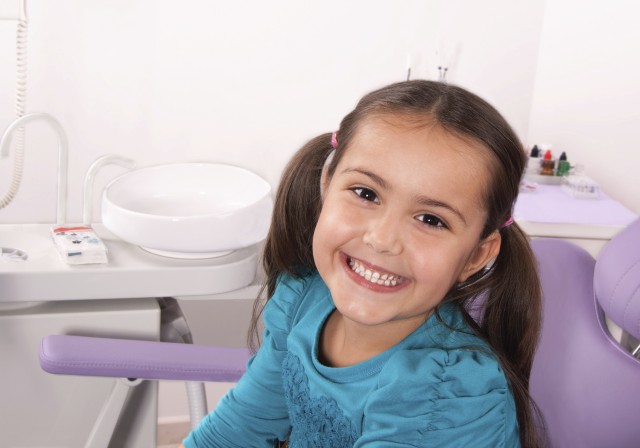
(374,276)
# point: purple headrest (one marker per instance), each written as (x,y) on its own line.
(617,279)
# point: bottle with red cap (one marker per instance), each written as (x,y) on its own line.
(548,165)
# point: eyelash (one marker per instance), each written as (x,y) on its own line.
(368,195)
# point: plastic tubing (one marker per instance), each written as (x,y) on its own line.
(63,155)
(174,328)
(197,397)
(21,101)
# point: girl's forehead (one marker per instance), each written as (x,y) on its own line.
(424,158)
(419,132)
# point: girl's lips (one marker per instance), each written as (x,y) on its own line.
(372,277)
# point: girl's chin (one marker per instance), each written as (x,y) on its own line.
(362,317)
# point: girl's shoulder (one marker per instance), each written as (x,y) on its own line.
(472,369)
(447,351)
(458,396)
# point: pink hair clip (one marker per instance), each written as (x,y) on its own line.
(507,223)
(334,140)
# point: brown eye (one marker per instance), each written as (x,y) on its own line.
(432,221)
(365,194)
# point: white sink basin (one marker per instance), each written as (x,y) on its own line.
(188,210)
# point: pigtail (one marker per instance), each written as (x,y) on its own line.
(511,322)
(288,247)
(503,306)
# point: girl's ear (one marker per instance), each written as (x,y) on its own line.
(484,253)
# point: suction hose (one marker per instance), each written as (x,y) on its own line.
(197,396)
(174,328)
(21,101)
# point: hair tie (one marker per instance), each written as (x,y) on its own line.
(507,223)
(334,140)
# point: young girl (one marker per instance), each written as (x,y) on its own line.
(383,235)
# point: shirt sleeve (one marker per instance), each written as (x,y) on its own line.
(434,397)
(254,413)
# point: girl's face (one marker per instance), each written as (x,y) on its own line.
(401,222)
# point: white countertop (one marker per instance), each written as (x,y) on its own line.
(131,272)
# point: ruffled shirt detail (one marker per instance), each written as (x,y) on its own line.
(316,421)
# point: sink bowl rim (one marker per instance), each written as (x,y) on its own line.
(157,216)
(185,230)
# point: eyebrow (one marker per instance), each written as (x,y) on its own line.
(374,177)
(422,200)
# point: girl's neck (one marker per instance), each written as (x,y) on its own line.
(345,343)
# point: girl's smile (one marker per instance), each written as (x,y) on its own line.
(400,223)
(373,277)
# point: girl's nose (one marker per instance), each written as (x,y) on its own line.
(383,234)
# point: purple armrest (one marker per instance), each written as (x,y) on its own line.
(91,356)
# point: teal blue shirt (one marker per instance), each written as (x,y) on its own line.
(439,387)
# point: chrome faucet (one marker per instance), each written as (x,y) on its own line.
(63,151)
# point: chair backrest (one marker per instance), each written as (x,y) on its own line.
(586,386)
(617,279)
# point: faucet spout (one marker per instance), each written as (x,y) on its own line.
(87,209)
(63,155)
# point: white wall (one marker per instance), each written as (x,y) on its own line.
(239,82)
(587,91)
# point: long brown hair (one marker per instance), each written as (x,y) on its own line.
(507,294)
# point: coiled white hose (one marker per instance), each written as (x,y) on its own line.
(197,396)
(21,101)
(174,328)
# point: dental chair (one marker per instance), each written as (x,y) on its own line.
(585,381)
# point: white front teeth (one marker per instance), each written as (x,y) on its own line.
(374,276)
